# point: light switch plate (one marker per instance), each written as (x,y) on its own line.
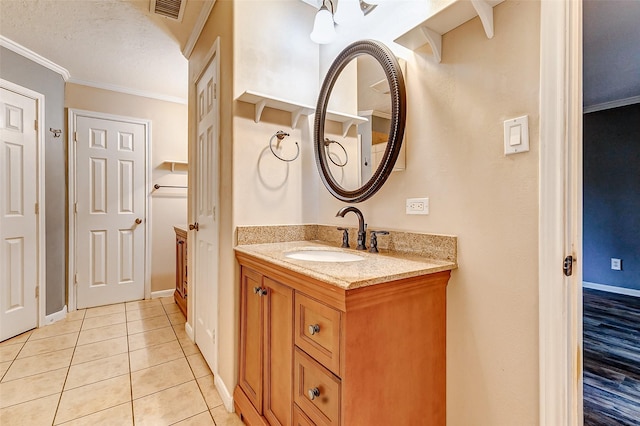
(516,135)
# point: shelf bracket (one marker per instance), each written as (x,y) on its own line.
(259,108)
(435,41)
(346,125)
(485,12)
(295,116)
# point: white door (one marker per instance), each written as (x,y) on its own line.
(18,218)
(206,236)
(110,210)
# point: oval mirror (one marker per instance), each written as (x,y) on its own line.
(359,122)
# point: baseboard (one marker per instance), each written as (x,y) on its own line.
(162,293)
(56,316)
(189,330)
(611,289)
(225,395)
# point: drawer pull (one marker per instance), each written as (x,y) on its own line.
(313,393)
(314,329)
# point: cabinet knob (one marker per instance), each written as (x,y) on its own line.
(256,290)
(314,329)
(313,393)
(260,291)
(263,292)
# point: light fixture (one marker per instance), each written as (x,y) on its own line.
(348,12)
(323,29)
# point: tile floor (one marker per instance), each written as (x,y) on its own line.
(125,364)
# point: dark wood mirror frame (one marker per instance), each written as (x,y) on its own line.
(393,73)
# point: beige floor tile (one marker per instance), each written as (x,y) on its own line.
(224,418)
(56,329)
(150,338)
(4,366)
(50,344)
(20,338)
(120,415)
(10,352)
(180,332)
(32,387)
(177,318)
(141,304)
(104,310)
(169,406)
(147,324)
(155,355)
(198,365)
(202,419)
(33,365)
(102,333)
(103,320)
(99,350)
(76,315)
(171,309)
(95,371)
(160,377)
(209,391)
(37,412)
(79,402)
(168,300)
(152,311)
(189,347)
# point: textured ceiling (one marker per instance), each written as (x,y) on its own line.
(106,42)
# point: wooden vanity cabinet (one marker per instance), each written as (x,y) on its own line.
(180,293)
(373,355)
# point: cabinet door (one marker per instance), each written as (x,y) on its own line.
(251,342)
(278,353)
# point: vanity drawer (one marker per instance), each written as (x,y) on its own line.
(316,391)
(317,331)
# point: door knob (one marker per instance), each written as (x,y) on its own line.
(138,221)
(193,226)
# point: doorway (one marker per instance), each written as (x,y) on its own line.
(108,224)
(22,227)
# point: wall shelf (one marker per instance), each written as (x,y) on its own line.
(173,163)
(297,110)
(455,14)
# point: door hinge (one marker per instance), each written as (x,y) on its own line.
(75,136)
(567,266)
(35,125)
(37,209)
(75,278)
(75,207)
(214,213)
(215,91)
(37,292)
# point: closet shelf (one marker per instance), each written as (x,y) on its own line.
(449,17)
(297,110)
(174,163)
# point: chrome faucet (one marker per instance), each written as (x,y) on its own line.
(362,227)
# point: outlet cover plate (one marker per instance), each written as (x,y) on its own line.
(417,206)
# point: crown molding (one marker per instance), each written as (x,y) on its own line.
(613,104)
(129,91)
(33,56)
(197,28)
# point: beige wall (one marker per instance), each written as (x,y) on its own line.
(168,142)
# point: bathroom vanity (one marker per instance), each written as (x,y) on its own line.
(340,343)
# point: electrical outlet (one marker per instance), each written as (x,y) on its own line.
(616,264)
(417,206)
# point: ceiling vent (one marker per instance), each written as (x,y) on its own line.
(173,9)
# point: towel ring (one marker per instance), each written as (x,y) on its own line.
(328,142)
(281,135)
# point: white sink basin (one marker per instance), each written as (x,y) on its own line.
(323,255)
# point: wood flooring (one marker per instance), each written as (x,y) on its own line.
(611,359)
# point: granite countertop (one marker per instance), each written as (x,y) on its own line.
(375,268)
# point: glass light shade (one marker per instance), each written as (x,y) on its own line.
(348,12)
(323,29)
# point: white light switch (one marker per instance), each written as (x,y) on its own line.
(516,135)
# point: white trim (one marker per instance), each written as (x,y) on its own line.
(162,293)
(56,316)
(612,104)
(73,114)
(560,210)
(225,395)
(129,91)
(611,289)
(40,196)
(33,56)
(189,330)
(207,7)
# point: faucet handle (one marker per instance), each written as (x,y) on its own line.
(345,237)
(374,240)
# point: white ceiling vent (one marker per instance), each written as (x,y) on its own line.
(173,9)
